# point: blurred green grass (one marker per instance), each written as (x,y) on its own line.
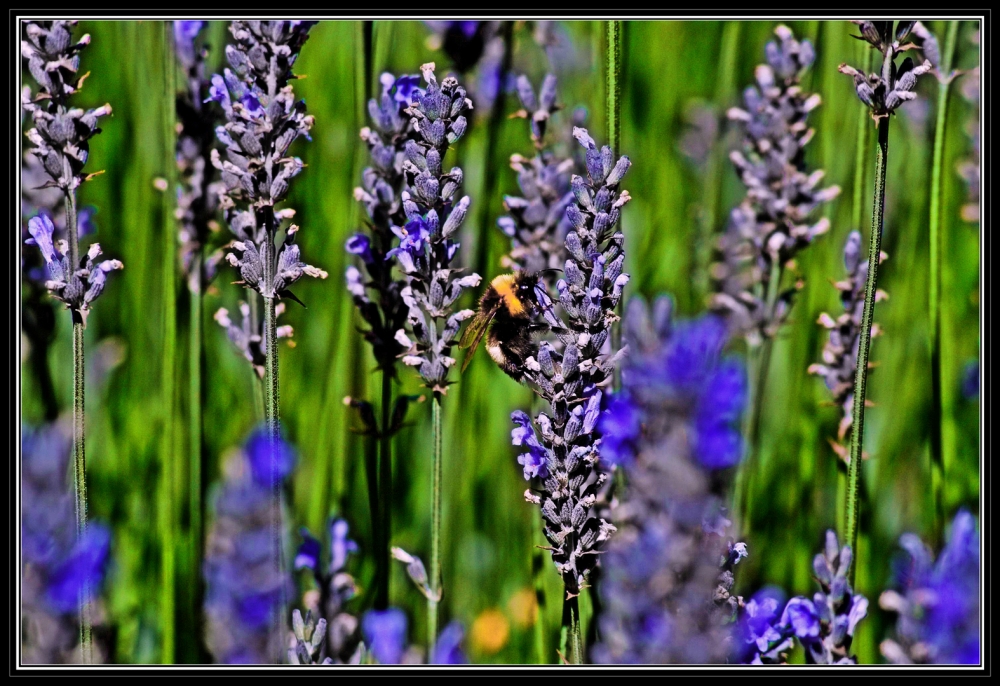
(487,540)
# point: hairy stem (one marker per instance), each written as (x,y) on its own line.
(271,404)
(938,461)
(435,571)
(612,80)
(571,636)
(383,533)
(861,375)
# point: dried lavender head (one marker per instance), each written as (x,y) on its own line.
(772,224)
(377,295)
(336,586)
(668,573)
(825,624)
(937,600)
(840,354)
(199,188)
(243,589)
(262,120)
(562,458)
(537,224)
(57,565)
(885,91)
(433,215)
(249,336)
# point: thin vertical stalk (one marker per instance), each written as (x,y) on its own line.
(861,376)
(938,461)
(271,412)
(195,503)
(571,636)
(384,500)
(612,123)
(435,572)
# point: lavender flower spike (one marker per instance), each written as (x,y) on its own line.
(825,624)
(537,224)
(262,120)
(564,447)
(433,215)
(884,92)
(840,354)
(674,425)
(772,224)
(937,600)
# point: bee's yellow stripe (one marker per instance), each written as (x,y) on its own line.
(505,287)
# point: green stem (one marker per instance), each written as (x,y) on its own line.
(80,480)
(861,375)
(271,405)
(760,364)
(383,533)
(435,571)
(612,79)
(571,636)
(195,430)
(937,453)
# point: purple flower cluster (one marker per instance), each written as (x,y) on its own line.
(473,45)
(385,636)
(262,120)
(668,573)
(562,457)
(57,565)
(840,354)
(432,217)
(244,589)
(199,189)
(250,335)
(772,224)
(336,586)
(537,224)
(60,137)
(377,295)
(937,600)
(824,624)
(885,91)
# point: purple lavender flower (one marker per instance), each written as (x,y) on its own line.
(243,587)
(339,641)
(772,225)
(937,600)
(883,93)
(433,216)
(270,462)
(825,624)
(671,520)
(970,380)
(571,373)
(56,565)
(448,649)
(262,120)
(249,337)
(761,639)
(385,634)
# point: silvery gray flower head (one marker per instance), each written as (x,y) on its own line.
(377,295)
(307,639)
(825,624)
(772,225)
(668,574)
(198,188)
(537,224)
(563,447)
(78,287)
(885,91)
(249,336)
(61,134)
(840,353)
(433,216)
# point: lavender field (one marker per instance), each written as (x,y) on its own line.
(500,342)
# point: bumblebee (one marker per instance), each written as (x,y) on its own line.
(506,312)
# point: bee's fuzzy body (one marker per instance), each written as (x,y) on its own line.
(504,317)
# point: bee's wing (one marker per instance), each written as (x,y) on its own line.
(474,333)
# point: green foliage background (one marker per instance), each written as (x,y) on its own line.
(138,420)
